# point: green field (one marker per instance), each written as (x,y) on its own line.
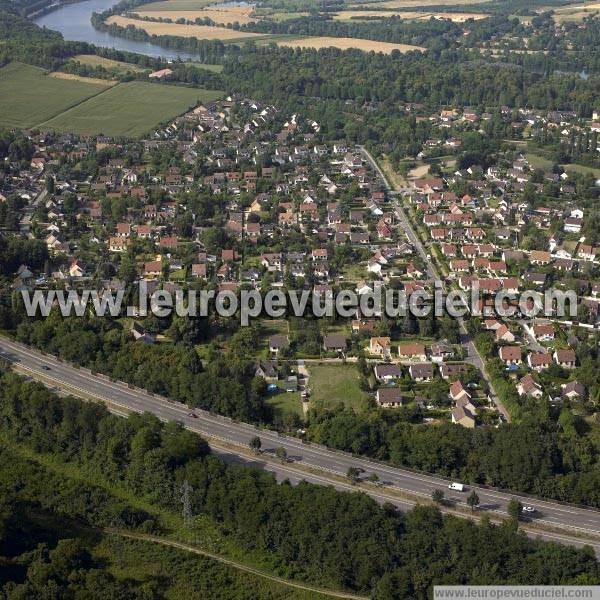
(29,97)
(206,67)
(332,384)
(129,109)
(112,65)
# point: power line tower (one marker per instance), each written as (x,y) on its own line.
(186,489)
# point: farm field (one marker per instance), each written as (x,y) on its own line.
(576,12)
(178,5)
(99,61)
(73,77)
(28,96)
(233,14)
(202,32)
(206,32)
(129,109)
(353,15)
(332,384)
(416,4)
(347,43)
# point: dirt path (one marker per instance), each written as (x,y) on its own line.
(232,563)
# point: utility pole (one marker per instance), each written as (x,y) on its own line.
(186,489)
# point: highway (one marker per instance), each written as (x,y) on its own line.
(473,356)
(311,462)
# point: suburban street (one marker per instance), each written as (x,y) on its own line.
(473,357)
(310,462)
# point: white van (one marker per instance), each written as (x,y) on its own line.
(458,487)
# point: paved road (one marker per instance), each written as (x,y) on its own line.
(322,465)
(473,356)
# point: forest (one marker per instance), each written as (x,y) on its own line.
(315,533)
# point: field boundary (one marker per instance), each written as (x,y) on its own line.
(62,112)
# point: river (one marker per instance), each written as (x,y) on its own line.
(73,21)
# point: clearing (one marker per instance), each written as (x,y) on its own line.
(331,384)
(344,43)
(112,65)
(576,12)
(419,171)
(206,66)
(202,32)
(28,96)
(130,109)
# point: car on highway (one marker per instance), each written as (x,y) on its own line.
(457,487)
(528,510)
(193,415)
(45,368)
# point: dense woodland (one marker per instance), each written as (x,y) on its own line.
(322,535)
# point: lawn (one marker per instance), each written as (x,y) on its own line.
(286,403)
(538,162)
(332,384)
(129,109)
(28,96)
(582,169)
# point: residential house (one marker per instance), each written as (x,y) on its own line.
(334,343)
(510,355)
(412,351)
(573,390)
(543,332)
(387,372)
(421,371)
(539,361)
(458,392)
(380,346)
(267,369)
(503,334)
(278,342)
(528,386)
(389,397)
(565,357)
